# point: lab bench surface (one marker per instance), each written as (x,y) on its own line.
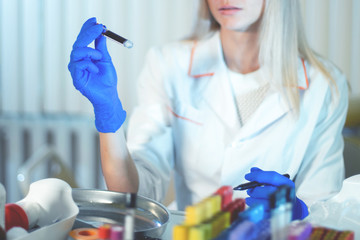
(176,217)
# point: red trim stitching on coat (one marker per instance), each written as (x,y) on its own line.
(306,77)
(184,118)
(190,66)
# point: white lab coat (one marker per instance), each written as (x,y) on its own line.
(190,125)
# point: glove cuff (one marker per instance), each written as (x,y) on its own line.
(111,119)
(300,210)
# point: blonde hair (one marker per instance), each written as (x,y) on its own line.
(282,41)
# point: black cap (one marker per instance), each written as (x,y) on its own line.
(279,197)
(130,200)
(2,233)
(290,194)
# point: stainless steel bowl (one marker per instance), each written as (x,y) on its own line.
(98,207)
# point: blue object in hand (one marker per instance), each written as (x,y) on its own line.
(94,75)
(272,180)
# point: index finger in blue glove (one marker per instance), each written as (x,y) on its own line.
(269,177)
(263,192)
(88,35)
(85,53)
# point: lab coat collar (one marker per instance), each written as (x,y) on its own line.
(208,61)
(272,109)
(206,57)
(303,76)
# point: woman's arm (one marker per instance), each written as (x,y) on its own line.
(118,168)
(150,144)
(94,75)
(321,174)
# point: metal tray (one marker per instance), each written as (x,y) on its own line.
(97,207)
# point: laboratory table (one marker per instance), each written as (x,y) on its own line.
(176,217)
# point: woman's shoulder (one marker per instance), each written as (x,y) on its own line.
(334,83)
(334,71)
(326,72)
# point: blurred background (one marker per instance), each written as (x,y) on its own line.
(47,127)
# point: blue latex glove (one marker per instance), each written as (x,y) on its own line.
(94,75)
(272,180)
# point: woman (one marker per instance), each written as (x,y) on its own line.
(247,92)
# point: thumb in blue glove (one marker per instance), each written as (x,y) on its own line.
(94,75)
(272,180)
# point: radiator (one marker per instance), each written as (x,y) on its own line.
(74,141)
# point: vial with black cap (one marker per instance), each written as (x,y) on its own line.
(130,203)
(279,213)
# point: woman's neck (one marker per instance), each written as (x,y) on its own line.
(241,50)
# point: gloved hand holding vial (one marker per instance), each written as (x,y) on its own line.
(94,75)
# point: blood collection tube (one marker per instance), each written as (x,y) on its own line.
(117,38)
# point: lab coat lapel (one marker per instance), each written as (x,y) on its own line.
(219,97)
(215,90)
(274,107)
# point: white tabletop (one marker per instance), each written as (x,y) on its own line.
(176,217)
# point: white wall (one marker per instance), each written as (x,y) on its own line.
(36,91)
(333,30)
(36,37)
